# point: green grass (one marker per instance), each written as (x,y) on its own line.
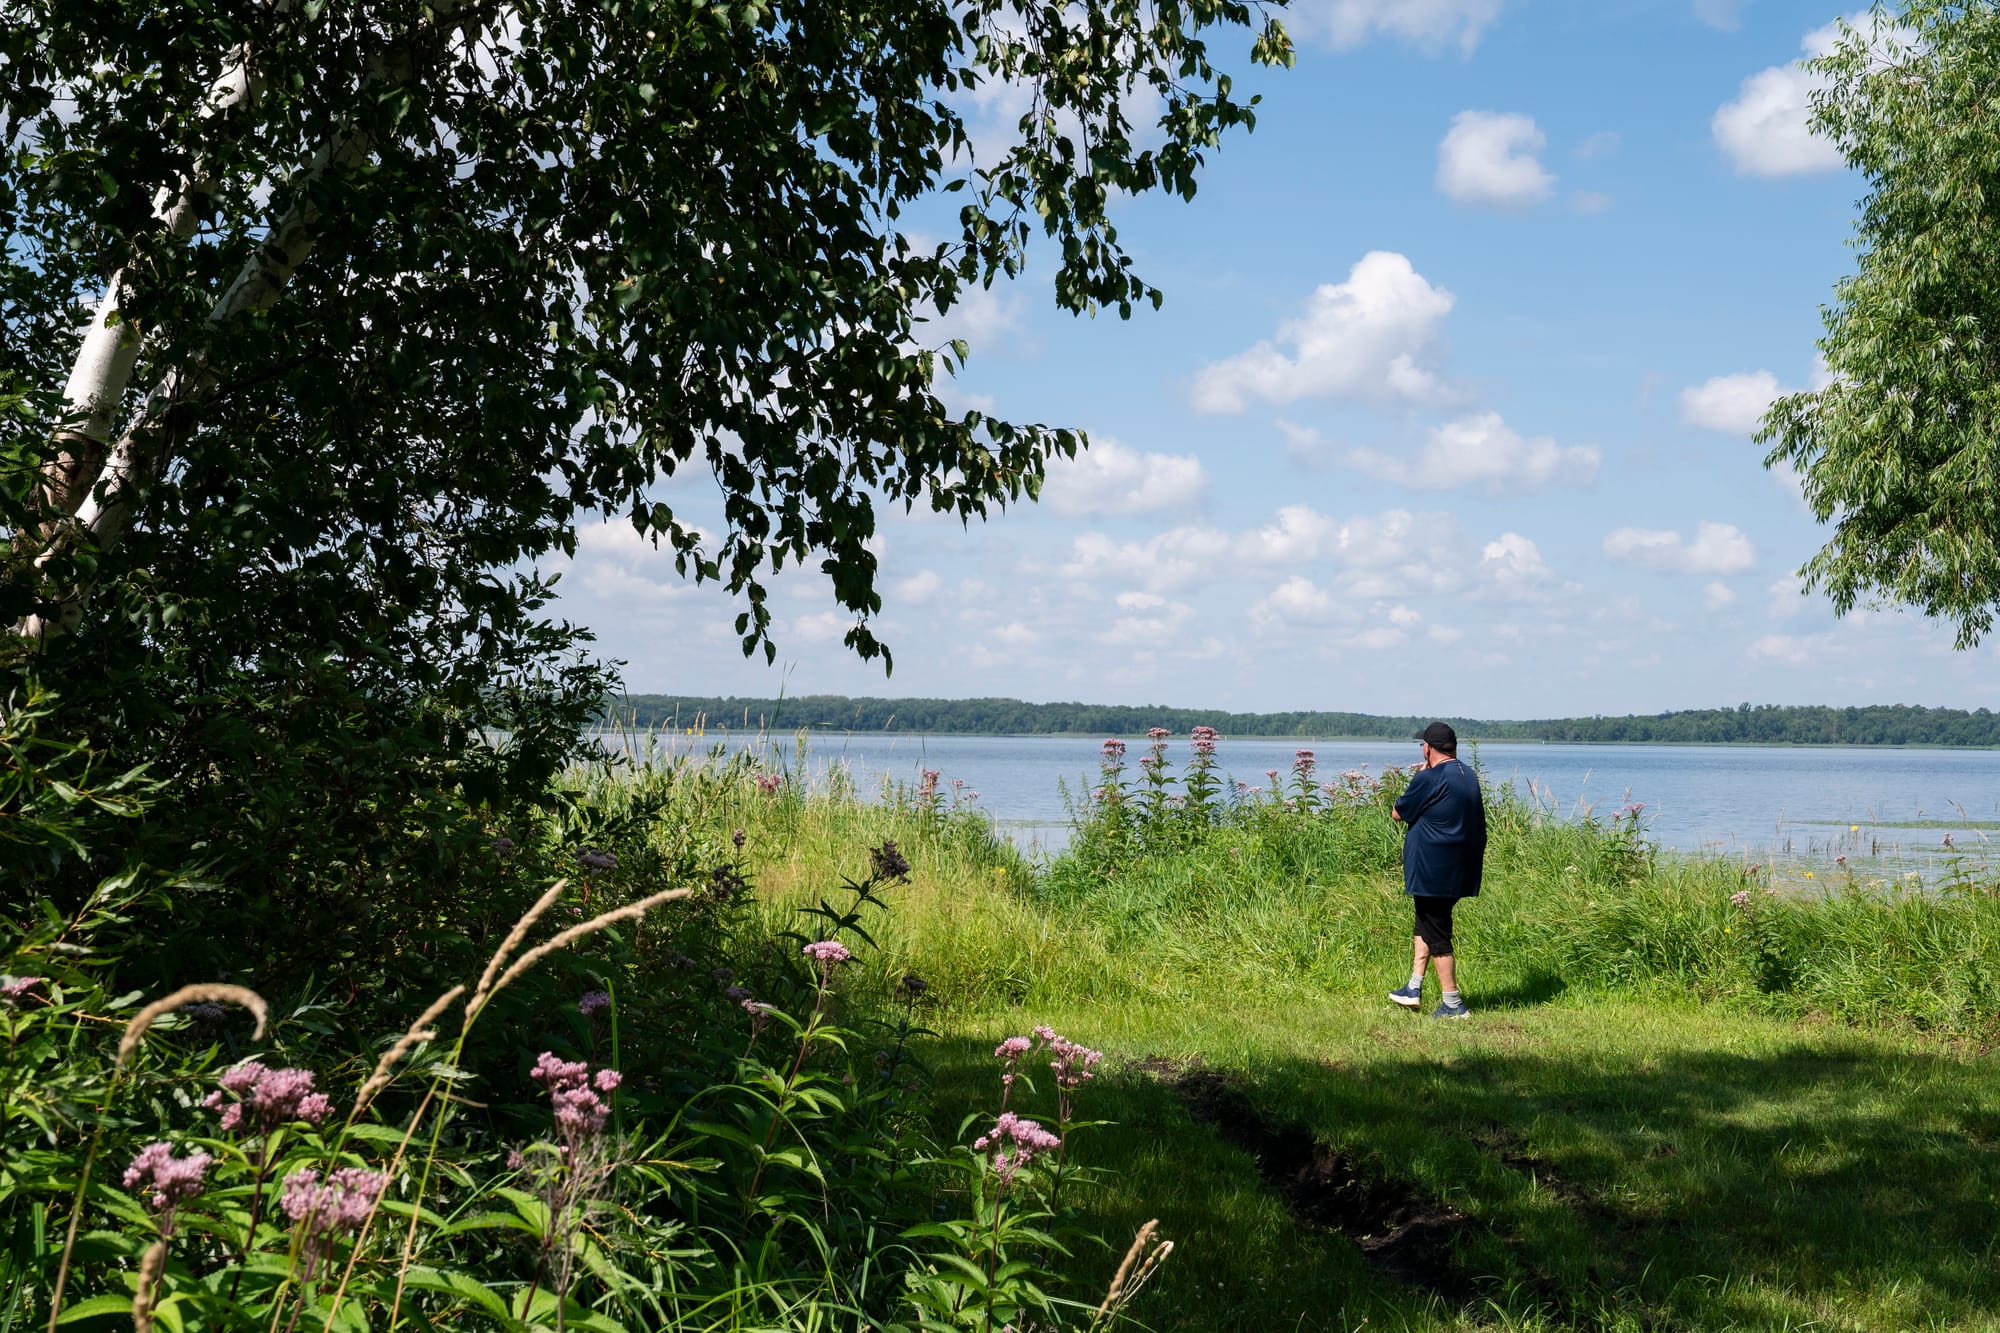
(1668,1111)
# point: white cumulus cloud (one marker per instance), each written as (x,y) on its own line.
(917,589)
(1296,601)
(1732,404)
(1112,478)
(1716,594)
(1432,24)
(1487,159)
(1512,566)
(1375,338)
(1793,649)
(1481,450)
(1171,559)
(1717,548)
(1766,130)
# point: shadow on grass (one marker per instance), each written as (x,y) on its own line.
(1526,992)
(1828,1182)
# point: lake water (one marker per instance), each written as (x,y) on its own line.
(1886,810)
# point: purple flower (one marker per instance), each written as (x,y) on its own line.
(595,1001)
(1840,860)
(343,1203)
(167,1178)
(267,1098)
(1947,839)
(760,1016)
(1015,1142)
(888,863)
(736,994)
(554,1072)
(737,837)
(205,1012)
(914,985)
(573,1091)
(503,846)
(593,858)
(769,783)
(15,989)
(827,953)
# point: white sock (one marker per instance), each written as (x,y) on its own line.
(1416,981)
(1451,997)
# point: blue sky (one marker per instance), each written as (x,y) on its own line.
(1448,409)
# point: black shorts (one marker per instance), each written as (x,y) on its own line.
(1434,922)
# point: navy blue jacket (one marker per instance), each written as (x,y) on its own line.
(1445,847)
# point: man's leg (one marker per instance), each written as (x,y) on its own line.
(1411,994)
(1439,928)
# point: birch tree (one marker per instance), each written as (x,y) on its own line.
(354,309)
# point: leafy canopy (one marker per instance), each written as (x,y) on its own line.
(519,263)
(559,252)
(1900,451)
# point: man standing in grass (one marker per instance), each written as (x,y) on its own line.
(1443,854)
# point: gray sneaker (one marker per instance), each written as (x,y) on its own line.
(1410,997)
(1449,1010)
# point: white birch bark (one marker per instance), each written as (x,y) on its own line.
(102,510)
(102,371)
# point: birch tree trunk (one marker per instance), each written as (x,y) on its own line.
(92,492)
(104,364)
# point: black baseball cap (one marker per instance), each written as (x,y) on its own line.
(1439,736)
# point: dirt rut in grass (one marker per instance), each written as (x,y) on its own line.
(1404,1232)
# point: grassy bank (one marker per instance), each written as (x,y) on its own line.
(1683,1101)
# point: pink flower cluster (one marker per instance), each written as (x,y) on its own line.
(15,989)
(1740,898)
(829,954)
(1014,1142)
(167,1178)
(343,1203)
(1202,741)
(768,783)
(1114,749)
(1074,1064)
(1157,733)
(580,1108)
(267,1098)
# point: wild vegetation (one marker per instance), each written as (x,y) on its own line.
(1765,724)
(801,1057)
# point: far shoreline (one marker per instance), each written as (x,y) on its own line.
(1466,739)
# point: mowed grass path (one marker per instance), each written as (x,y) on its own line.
(1631,1147)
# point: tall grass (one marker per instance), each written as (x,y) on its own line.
(1291,901)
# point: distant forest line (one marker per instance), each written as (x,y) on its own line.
(1764,724)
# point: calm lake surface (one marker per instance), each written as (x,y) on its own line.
(1886,810)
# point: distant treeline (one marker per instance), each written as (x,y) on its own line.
(1766,724)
